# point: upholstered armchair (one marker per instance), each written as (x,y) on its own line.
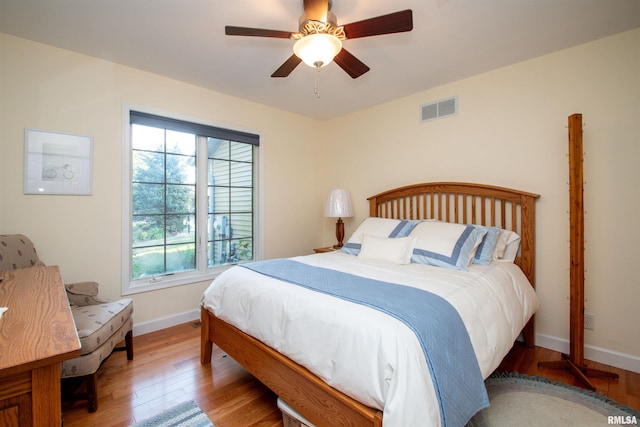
(101,324)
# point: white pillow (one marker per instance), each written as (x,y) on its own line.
(446,244)
(393,249)
(507,246)
(379,227)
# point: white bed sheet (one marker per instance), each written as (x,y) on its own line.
(382,366)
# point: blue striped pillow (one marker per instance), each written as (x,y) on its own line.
(484,254)
(446,244)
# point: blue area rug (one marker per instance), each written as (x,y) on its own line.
(521,400)
(186,414)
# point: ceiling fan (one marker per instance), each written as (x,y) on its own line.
(319,38)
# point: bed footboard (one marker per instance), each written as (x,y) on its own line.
(306,393)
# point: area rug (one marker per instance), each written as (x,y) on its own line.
(521,400)
(186,414)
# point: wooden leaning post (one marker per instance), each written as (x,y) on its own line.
(574,361)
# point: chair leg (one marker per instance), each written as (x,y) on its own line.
(128,345)
(91,382)
(128,341)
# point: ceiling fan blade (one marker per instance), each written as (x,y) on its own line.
(349,63)
(255,32)
(396,22)
(316,10)
(288,66)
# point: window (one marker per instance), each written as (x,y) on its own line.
(189,201)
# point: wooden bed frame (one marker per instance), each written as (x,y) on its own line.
(462,203)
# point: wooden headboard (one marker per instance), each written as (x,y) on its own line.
(466,203)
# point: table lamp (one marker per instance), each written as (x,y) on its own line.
(338,206)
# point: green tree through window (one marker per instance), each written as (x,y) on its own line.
(163,200)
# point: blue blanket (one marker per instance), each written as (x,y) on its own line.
(444,339)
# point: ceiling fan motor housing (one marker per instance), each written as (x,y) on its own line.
(308,26)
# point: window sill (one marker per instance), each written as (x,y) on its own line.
(172,280)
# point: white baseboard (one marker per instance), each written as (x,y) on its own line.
(166,322)
(596,354)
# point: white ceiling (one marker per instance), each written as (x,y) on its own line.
(184,40)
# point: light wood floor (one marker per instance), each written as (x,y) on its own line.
(166,371)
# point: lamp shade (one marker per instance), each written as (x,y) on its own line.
(338,204)
(317,49)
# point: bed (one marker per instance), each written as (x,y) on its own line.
(321,394)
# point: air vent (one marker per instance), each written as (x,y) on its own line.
(435,110)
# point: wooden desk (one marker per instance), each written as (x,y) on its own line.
(37,333)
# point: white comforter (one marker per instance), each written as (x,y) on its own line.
(367,354)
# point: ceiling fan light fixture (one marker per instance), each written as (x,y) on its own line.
(317,50)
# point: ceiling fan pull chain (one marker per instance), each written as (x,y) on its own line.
(316,88)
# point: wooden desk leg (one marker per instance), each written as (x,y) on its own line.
(46,395)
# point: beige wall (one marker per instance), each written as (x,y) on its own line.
(52,89)
(511,132)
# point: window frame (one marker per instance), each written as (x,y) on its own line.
(202,272)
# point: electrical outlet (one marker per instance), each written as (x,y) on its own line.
(589,321)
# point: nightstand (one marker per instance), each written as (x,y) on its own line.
(326,249)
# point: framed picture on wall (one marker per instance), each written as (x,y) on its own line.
(57,163)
